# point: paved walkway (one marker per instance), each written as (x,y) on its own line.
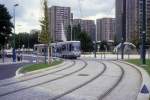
(85,79)
(114,56)
(6,60)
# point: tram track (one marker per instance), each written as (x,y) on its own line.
(83,84)
(31,78)
(115,85)
(141,79)
(48,81)
(94,78)
(101,97)
(120,79)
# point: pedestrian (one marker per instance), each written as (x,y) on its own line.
(18,57)
(21,57)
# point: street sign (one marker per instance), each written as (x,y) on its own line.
(144,90)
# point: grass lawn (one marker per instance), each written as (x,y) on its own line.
(34,67)
(138,62)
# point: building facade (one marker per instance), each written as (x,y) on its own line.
(131,20)
(106,29)
(140,12)
(59,20)
(88,26)
(119,10)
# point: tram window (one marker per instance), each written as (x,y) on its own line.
(75,46)
(63,48)
(70,47)
(43,50)
(35,49)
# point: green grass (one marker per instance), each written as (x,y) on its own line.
(138,62)
(34,67)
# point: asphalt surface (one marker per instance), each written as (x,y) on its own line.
(9,70)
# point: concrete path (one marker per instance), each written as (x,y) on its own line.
(83,79)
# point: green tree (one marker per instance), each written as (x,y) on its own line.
(44,35)
(79,35)
(69,33)
(86,42)
(76,32)
(26,39)
(5,25)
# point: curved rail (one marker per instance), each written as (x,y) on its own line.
(19,81)
(115,85)
(28,87)
(85,83)
(141,79)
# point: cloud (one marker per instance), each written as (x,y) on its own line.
(28,13)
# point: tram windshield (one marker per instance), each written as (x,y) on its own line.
(75,46)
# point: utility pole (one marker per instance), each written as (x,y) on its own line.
(95,48)
(143,33)
(123,39)
(14,47)
(71,25)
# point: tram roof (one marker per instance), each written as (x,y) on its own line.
(65,42)
(39,45)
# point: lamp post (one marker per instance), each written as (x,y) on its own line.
(71,26)
(123,29)
(14,50)
(143,33)
(95,49)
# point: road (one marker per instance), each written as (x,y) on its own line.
(82,79)
(9,70)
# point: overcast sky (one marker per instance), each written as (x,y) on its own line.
(28,13)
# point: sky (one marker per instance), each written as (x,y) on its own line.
(29,12)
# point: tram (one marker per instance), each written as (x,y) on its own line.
(67,49)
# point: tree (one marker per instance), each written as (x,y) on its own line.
(26,39)
(86,42)
(5,25)
(76,32)
(69,33)
(44,35)
(83,37)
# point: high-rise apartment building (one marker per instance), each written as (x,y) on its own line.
(140,12)
(59,20)
(131,19)
(119,12)
(88,26)
(106,29)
